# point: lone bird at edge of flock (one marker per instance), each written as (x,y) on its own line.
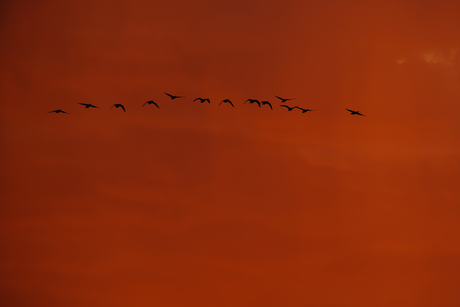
(304,110)
(173,96)
(203,100)
(88,105)
(226,100)
(251,101)
(289,108)
(354,112)
(58,111)
(151,102)
(118,105)
(284,99)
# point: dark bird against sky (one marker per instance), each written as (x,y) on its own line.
(88,105)
(264,102)
(284,99)
(289,108)
(151,102)
(119,105)
(226,100)
(58,111)
(173,96)
(304,110)
(203,100)
(354,112)
(251,101)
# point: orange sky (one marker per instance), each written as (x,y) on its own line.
(198,205)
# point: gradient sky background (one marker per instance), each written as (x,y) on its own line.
(198,205)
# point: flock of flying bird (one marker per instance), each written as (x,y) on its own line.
(202,100)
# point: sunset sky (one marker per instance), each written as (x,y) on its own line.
(203,205)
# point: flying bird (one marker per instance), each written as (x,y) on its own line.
(226,100)
(266,102)
(203,100)
(304,110)
(284,99)
(251,101)
(58,111)
(174,97)
(354,112)
(289,108)
(118,105)
(88,105)
(151,102)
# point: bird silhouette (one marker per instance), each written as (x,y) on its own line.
(354,112)
(304,110)
(118,105)
(151,102)
(289,108)
(203,100)
(251,101)
(226,100)
(58,111)
(284,99)
(173,97)
(88,105)
(266,102)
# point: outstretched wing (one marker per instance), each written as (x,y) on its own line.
(304,110)
(112,107)
(269,104)
(122,107)
(350,110)
(231,103)
(172,97)
(284,99)
(207,99)
(283,105)
(258,103)
(197,99)
(155,104)
(146,103)
(221,102)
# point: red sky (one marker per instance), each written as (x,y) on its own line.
(198,205)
